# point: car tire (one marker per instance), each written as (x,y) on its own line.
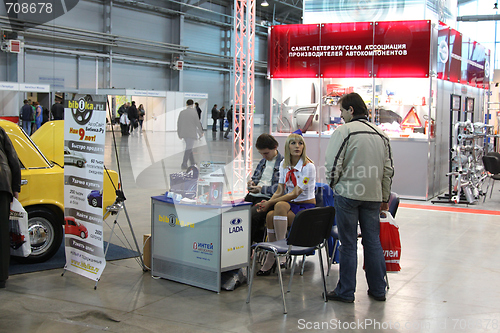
(79,164)
(94,202)
(46,233)
(82,234)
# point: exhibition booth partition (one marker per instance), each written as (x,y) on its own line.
(12,95)
(406,72)
(162,108)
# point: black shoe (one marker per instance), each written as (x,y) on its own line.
(377,298)
(268,272)
(2,284)
(332,296)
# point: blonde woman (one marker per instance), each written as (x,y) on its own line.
(295,192)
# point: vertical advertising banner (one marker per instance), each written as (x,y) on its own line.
(455,63)
(84,139)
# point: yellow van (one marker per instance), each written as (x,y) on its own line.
(42,185)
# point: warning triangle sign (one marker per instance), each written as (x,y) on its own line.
(411,119)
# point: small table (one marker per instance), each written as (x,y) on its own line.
(194,244)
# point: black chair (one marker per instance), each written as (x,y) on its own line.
(491,162)
(393,209)
(309,231)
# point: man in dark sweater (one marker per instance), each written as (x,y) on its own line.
(133,116)
(57,110)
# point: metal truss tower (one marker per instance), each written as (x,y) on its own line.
(244,83)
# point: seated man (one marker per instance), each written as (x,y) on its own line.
(264,181)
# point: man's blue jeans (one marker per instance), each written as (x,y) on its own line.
(347,214)
(27,127)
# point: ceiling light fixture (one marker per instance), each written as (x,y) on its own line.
(264,3)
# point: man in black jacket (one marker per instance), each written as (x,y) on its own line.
(57,110)
(10,186)
(215,116)
(229,117)
(198,110)
(133,116)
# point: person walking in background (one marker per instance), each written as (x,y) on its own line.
(359,169)
(215,116)
(133,116)
(121,110)
(229,122)
(124,124)
(33,117)
(264,182)
(222,116)
(198,110)
(38,116)
(142,113)
(10,186)
(189,129)
(46,115)
(57,110)
(26,116)
(294,193)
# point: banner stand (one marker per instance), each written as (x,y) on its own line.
(84,145)
(115,209)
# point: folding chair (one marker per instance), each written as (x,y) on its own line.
(309,231)
(491,162)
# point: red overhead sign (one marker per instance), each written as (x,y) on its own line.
(361,49)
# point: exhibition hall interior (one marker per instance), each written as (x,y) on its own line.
(173,252)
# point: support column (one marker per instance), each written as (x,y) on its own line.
(244,82)
(108,63)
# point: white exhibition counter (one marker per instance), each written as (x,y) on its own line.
(194,244)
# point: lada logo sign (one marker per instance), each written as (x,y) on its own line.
(236,221)
(235,225)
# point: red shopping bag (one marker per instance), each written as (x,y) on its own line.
(391,244)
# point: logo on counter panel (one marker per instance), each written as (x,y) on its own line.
(173,221)
(236,221)
(236,227)
(203,248)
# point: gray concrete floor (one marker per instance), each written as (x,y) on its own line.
(448,281)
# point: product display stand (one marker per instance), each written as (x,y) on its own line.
(468,144)
(455,106)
